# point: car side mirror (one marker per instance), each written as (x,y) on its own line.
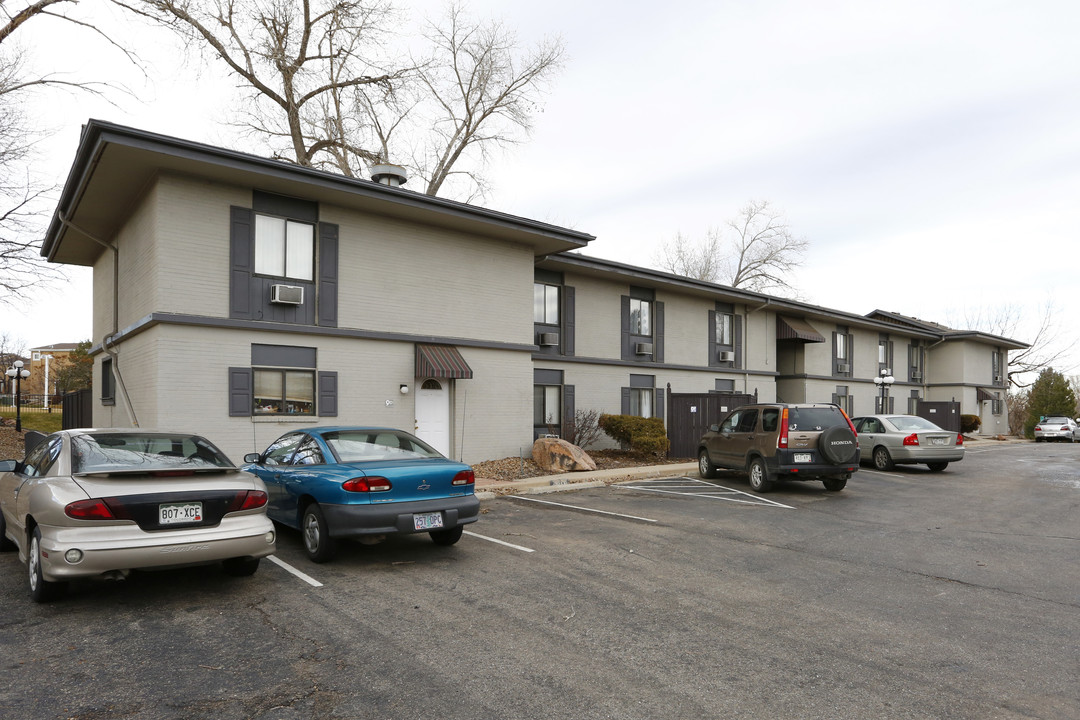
(252,458)
(9,465)
(714,428)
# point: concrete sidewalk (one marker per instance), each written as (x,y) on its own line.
(487,488)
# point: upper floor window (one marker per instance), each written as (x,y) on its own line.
(284,248)
(998,362)
(842,346)
(725,328)
(546,303)
(640,316)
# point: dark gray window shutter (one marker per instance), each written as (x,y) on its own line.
(241,389)
(737,326)
(328,394)
(241,262)
(714,353)
(658,405)
(568,346)
(835,399)
(627,351)
(892,366)
(328,275)
(851,355)
(568,410)
(658,332)
(626,401)
(835,358)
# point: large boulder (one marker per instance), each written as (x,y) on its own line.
(557,455)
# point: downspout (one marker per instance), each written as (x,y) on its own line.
(106,342)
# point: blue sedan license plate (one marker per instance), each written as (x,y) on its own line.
(427,521)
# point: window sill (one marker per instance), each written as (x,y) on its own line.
(278,419)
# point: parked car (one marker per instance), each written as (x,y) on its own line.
(100,503)
(1057,427)
(363,483)
(789,441)
(908,439)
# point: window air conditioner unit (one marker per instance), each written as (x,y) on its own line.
(916,375)
(998,378)
(286,294)
(843,367)
(548,339)
(727,356)
(643,348)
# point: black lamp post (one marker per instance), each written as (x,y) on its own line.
(17,374)
(884,381)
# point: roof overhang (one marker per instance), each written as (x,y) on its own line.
(115,164)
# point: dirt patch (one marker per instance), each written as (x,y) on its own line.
(513,468)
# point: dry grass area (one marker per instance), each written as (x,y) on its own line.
(513,468)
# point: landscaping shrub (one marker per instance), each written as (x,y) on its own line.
(969,424)
(641,435)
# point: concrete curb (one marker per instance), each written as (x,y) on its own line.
(490,489)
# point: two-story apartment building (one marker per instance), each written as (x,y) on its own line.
(241,297)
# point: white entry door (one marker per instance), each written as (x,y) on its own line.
(433,414)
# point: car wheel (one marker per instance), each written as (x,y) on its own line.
(446,537)
(837,444)
(240,566)
(41,590)
(5,542)
(882,458)
(759,476)
(937,467)
(319,545)
(704,465)
(835,484)
(1038,440)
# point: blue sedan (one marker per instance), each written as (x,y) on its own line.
(334,483)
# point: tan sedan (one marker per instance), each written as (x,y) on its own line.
(100,503)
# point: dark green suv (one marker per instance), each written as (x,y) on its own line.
(812,441)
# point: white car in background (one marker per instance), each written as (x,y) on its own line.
(1057,427)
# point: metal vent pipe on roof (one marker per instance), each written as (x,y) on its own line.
(387,174)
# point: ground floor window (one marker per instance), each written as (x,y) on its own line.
(547,409)
(641,402)
(284,392)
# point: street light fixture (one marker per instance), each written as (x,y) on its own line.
(884,381)
(18,374)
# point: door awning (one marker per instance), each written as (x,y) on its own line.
(441,361)
(796,329)
(982,395)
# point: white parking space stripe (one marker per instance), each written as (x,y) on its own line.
(700,488)
(289,568)
(500,542)
(578,507)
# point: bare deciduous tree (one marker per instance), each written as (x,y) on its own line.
(759,253)
(22,195)
(327,92)
(297,61)
(1048,345)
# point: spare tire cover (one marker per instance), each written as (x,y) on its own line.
(837,444)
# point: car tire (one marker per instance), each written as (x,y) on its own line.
(1038,440)
(760,480)
(704,465)
(446,537)
(835,484)
(5,542)
(240,566)
(937,466)
(882,458)
(838,444)
(314,531)
(41,590)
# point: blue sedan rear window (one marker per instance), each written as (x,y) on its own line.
(364,445)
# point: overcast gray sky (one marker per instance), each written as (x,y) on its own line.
(928,151)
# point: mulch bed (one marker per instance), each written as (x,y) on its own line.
(513,468)
(11,442)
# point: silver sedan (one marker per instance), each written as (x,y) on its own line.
(889,440)
(1057,427)
(99,503)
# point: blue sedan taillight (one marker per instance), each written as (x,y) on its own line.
(465,477)
(366,484)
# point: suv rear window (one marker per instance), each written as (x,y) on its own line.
(817,418)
